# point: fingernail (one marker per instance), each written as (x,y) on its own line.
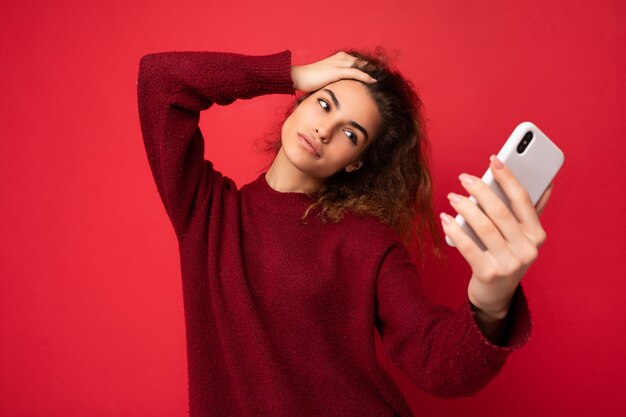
(455,198)
(446,219)
(497,164)
(466,179)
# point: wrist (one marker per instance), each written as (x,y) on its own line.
(489,316)
(294,75)
(492,325)
(491,301)
(491,312)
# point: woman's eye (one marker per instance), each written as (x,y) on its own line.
(351,136)
(324,104)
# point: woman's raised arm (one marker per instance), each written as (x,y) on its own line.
(172,89)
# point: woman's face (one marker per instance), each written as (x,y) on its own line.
(330,129)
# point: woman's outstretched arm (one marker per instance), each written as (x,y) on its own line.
(172,89)
(444,352)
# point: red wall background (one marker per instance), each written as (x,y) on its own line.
(91,308)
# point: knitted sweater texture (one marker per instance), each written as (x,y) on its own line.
(280,315)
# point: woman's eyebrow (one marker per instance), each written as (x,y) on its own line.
(333,97)
(361,128)
(352,122)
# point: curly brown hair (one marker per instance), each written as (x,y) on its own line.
(394,184)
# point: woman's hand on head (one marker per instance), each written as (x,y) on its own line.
(314,76)
(512,238)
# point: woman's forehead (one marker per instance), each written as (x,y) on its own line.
(349,90)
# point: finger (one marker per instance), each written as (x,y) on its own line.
(541,204)
(361,65)
(497,212)
(521,204)
(344,57)
(482,225)
(349,60)
(464,244)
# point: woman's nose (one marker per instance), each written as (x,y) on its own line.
(322,134)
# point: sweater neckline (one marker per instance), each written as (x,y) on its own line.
(278,202)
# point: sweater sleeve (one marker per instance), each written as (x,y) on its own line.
(441,350)
(172,89)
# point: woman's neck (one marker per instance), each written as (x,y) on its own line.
(284,177)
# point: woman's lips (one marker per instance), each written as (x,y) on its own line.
(309,144)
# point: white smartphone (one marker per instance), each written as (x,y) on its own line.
(534,160)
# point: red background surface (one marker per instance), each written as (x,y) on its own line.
(90,294)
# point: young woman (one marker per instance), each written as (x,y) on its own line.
(287,279)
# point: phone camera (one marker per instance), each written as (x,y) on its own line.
(528,137)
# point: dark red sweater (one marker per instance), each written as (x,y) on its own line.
(281,316)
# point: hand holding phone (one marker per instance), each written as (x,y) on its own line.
(534,160)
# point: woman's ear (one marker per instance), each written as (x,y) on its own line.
(354,166)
